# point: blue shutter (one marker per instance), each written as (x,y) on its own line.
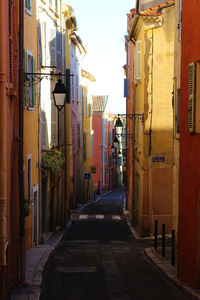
(126,88)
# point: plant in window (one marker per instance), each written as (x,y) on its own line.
(52,159)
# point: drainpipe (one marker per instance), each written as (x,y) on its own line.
(21,137)
(3,165)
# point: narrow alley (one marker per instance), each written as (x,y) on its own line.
(100,259)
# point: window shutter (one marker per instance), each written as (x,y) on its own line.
(126,88)
(10,44)
(84,146)
(44,43)
(26,84)
(52,45)
(54,129)
(139,60)
(59,50)
(34,84)
(191,95)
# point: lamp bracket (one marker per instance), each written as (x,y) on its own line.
(137,117)
(32,79)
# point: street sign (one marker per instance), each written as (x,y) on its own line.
(158,159)
(87,176)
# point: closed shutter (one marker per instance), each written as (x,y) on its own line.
(52,45)
(10,45)
(54,129)
(44,130)
(191,96)
(26,84)
(89,110)
(59,51)
(34,83)
(44,43)
(84,146)
(138,61)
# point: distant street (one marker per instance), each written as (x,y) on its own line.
(99,259)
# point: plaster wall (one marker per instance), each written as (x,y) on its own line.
(189,182)
(30,120)
(97,156)
(154,98)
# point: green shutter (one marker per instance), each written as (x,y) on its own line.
(191,96)
(26,84)
(34,83)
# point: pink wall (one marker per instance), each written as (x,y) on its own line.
(97,157)
(189,198)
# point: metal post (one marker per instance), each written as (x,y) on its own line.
(173,248)
(163,240)
(156,235)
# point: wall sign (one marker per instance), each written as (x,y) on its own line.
(158,159)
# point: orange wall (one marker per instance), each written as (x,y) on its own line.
(30,119)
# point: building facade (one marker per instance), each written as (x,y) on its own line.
(153,34)
(189,192)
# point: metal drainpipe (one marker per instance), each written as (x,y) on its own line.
(3,165)
(21,137)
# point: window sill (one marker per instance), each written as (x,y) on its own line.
(28,12)
(29,108)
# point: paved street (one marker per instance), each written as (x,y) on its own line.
(99,259)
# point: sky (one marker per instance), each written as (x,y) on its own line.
(101,27)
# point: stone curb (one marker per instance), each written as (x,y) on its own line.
(190,292)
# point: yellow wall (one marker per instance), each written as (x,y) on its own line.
(154,98)
(30,119)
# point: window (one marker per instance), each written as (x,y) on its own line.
(125,88)
(10,43)
(138,61)
(28,5)
(29,89)
(29,177)
(191,96)
(180,20)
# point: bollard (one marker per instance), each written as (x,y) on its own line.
(163,240)
(173,248)
(156,235)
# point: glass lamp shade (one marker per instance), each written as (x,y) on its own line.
(112,149)
(118,123)
(59,94)
(115,142)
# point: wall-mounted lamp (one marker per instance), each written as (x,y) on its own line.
(115,142)
(137,117)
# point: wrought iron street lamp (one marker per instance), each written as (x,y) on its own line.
(137,117)
(59,95)
(115,142)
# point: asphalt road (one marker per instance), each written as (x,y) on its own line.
(99,259)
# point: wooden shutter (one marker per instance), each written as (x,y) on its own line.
(44,43)
(54,128)
(10,44)
(191,95)
(34,83)
(52,45)
(26,85)
(84,146)
(138,61)
(59,51)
